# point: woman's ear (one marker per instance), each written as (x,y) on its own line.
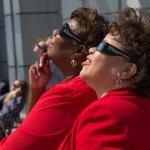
(128,71)
(81,52)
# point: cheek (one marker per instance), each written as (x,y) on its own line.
(50,52)
(57,49)
(63,44)
(12,87)
(93,73)
(62,51)
(35,49)
(99,73)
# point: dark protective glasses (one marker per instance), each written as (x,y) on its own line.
(16,85)
(66,32)
(111,50)
(39,46)
(44,47)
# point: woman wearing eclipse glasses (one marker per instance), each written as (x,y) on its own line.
(119,71)
(55,110)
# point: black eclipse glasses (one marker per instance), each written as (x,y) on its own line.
(66,32)
(39,46)
(44,47)
(111,50)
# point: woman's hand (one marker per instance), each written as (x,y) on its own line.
(39,73)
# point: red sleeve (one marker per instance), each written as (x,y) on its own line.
(44,127)
(98,128)
(22,140)
(49,122)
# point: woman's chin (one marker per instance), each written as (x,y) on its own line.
(83,74)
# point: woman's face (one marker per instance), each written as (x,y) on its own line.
(100,70)
(61,49)
(38,48)
(14,85)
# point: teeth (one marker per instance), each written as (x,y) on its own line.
(88,61)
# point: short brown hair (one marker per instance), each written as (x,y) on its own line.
(133,27)
(92,27)
(24,87)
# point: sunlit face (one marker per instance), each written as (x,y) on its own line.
(100,70)
(38,48)
(61,49)
(14,85)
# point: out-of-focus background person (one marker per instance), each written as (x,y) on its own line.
(57,75)
(12,104)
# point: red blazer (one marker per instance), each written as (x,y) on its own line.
(52,117)
(118,121)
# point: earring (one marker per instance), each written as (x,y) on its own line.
(119,81)
(73,63)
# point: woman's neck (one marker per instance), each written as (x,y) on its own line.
(72,73)
(102,92)
(71,76)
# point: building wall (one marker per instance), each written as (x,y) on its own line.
(27,22)
(3,52)
(24,22)
(107,7)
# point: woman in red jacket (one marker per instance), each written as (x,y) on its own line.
(119,71)
(55,110)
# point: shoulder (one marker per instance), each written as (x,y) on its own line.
(79,85)
(75,91)
(115,101)
(75,87)
(97,112)
(98,124)
(119,106)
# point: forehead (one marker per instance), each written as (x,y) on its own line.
(41,43)
(17,82)
(72,24)
(112,40)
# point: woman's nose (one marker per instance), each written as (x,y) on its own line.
(55,32)
(92,50)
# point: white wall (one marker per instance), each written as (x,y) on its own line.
(106,7)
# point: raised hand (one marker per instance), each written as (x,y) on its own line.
(40,73)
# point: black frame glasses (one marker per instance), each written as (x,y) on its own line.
(66,32)
(44,47)
(15,85)
(39,46)
(111,50)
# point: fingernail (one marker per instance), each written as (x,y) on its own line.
(39,74)
(40,64)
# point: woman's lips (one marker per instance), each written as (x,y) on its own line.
(87,62)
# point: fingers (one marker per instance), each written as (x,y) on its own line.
(47,68)
(35,70)
(40,67)
(43,59)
